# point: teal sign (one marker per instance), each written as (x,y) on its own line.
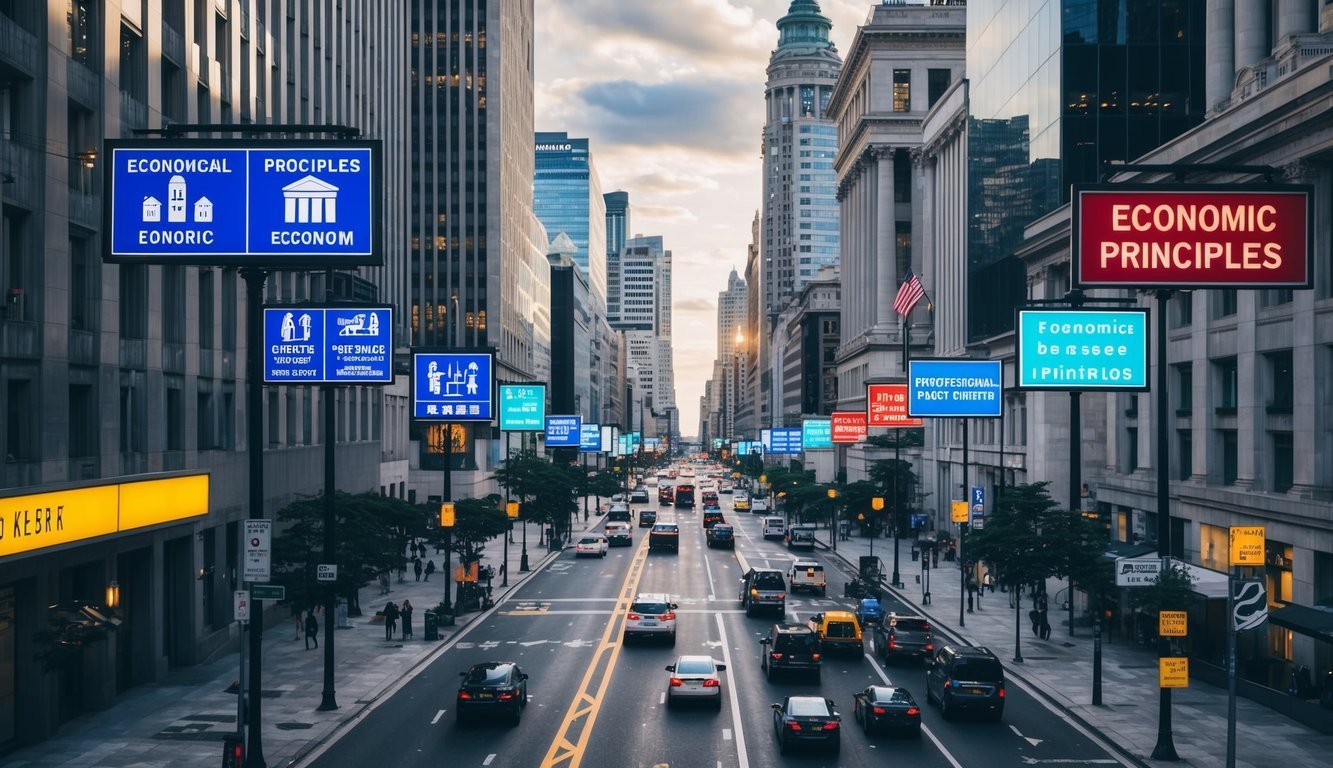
(522,407)
(817,433)
(1083,349)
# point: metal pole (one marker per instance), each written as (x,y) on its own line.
(1075,476)
(447,495)
(585,490)
(254,431)
(962,531)
(1165,749)
(328,700)
(1097,654)
(894,510)
(1018,624)
(1231,666)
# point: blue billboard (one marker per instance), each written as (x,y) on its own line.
(955,388)
(816,433)
(328,345)
(563,431)
(590,438)
(227,202)
(1083,349)
(522,407)
(785,440)
(452,386)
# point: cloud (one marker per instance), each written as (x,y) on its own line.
(670,183)
(694,114)
(693,305)
(660,214)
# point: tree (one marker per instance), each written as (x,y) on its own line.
(898,482)
(476,521)
(1022,537)
(545,491)
(1172,590)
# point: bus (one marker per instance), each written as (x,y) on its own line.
(685,496)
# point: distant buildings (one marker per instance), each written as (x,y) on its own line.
(723,390)
(645,319)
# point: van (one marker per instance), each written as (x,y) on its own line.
(801,536)
(618,534)
(774,527)
(619,512)
(808,575)
(837,631)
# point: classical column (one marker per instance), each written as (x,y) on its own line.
(1294,17)
(886,241)
(1220,40)
(1251,27)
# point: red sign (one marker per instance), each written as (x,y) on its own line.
(1193,236)
(886,406)
(848,426)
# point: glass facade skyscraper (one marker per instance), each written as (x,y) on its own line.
(617,229)
(567,197)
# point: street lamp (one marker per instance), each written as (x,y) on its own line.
(877,504)
(833,527)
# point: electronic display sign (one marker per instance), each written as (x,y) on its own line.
(239,202)
(816,433)
(563,431)
(848,426)
(1082,349)
(955,388)
(453,386)
(784,440)
(328,345)
(522,407)
(886,406)
(590,438)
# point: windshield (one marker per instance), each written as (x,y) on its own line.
(488,675)
(807,707)
(768,580)
(694,667)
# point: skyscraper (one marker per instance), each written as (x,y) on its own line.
(617,229)
(645,318)
(567,197)
(724,387)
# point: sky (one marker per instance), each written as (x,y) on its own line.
(670,94)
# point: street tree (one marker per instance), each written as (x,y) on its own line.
(1021,538)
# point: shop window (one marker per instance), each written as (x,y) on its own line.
(1283,462)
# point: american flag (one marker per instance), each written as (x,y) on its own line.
(908,294)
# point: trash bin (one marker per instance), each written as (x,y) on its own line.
(431,630)
(340,615)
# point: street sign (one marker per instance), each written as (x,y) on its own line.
(958,511)
(240,604)
(328,345)
(1172,623)
(816,433)
(452,386)
(590,438)
(955,388)
(268,592)
(522,407)
(886,406)
(326,572)
(608,438)
(241,202)
(1173,672)
(765,440)
(978,496)
(785,440)
(563,431)
(1137,572)
(258,550)
(1082,350)
(1247,544)
(848,426)
(1249,604)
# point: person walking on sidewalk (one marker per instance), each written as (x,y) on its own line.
(430,568)
(416,567)
(390,620)
(311,629)
(406,612)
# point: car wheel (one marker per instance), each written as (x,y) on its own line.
(768,674)
(516,716)
(670,700)
(672,641)
(782,745)
(717,703)
(837,745)
(945,708)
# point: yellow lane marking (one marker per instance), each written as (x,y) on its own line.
(571,739)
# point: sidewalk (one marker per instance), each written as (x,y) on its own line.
(181,721)
(1061,670)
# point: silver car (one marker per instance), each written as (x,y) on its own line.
(651,614)
(695,677)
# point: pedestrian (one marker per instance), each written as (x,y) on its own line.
(430,568)
(416,567)
(1045,629)
(988,581)
(406,612)
(402,571)
(421,549)
(1034,616)
(390,620)
(311,629)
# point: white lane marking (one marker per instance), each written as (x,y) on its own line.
(437,717)
(1070,760)
(742,756)
(661,697)
(726,734)
(929,733)
(1028,739)
(712,588)
(488,759)
(1064,716)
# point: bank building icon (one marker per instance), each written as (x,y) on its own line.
(309,200)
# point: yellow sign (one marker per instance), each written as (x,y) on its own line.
(466,573)
(1171,623)
(447,515)
(40,520)
(1247,545)
(877,503)
(958,510)
(511,509)
(1173,672)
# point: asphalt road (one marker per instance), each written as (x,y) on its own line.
(595,701)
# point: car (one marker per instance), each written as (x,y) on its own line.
(791,648)
(763,588)
(902,637)
(775,528)
(870,612)
(619,512)
(619,535)
(808,575)
(838,631)
(652,614)
(712,517)
(965,678)
(619,497)
(664,536)
(800,536)
(695,677)
(725,487)
(722,535)
(492,686)
(638,496)
(886,708)
(647,518)
(807,721)
(740,502)
(759,506)
(592,545)
(666,494)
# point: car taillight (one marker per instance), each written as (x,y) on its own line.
(506,695)
(775,656)
(676,682)
(795,726)
(634,617)
(1001,691)
(782,595)
(814,656)
(913,711)
(669,616)
(930,646)
(879,710)
(712,683)
(832,725)
(464,695)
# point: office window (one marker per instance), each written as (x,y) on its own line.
(175,407)
(204,422)
(1183,306)
(1185,453)
(1184,388)
(20,421)
(173,304)
(133,301)
(133,65)
(1226,393)
(227,422)
(937,82)
(1132,450)
(229,312)
(1282,385)
(902,90)
(207,309)
(1224,302)
(85,275)
(1283,462)
(80,22)
(1230,456)
(133,412)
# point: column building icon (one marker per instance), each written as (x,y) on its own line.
(309,200)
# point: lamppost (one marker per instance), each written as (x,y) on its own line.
(833,526)
(511,510)
(877,504)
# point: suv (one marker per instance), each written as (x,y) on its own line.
(619,512)
(763,588)
(801,536)
(638,496)
(837,631)
(652,614)
(790,648)
(965,678)
(647,518)
(807,574)
(904,637)
(664,536)
(722,535)
(712,517)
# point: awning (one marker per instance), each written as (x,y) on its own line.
(1315,622)
(1209,584)
(1128,549)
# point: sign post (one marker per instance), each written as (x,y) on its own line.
(1247,606)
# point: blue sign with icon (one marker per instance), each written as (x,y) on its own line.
(563,431)
(590,438)
(328,345)
(243,202)
(452,386)
(784,440)
(955,388)
(1082,349)
(522,407)
(816,433)
(978,496)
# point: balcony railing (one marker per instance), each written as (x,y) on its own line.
(20,165)
(18,46)
(85,85)
(173,44)
(133,113)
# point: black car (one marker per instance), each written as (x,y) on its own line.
(638,496)
(882,708)
(664,536)
(791,648)
(647,518)
(963,678)
(495,686)
(901,637)
(807,720)
(763,588)
(722,535)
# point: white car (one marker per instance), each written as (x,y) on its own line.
(695,677)
(592,546)
(652,614)
(759,506)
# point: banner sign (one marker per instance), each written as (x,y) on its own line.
(242,202)
(328,345)
(785,440)
(563,431)
(590,438)
(522,407)
(954,388)
(848,426)
(886,406)
(1083,350)
(609,432)
(1247,544)
(1144,236)
(816,433)
(452,386)
(1137,572)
